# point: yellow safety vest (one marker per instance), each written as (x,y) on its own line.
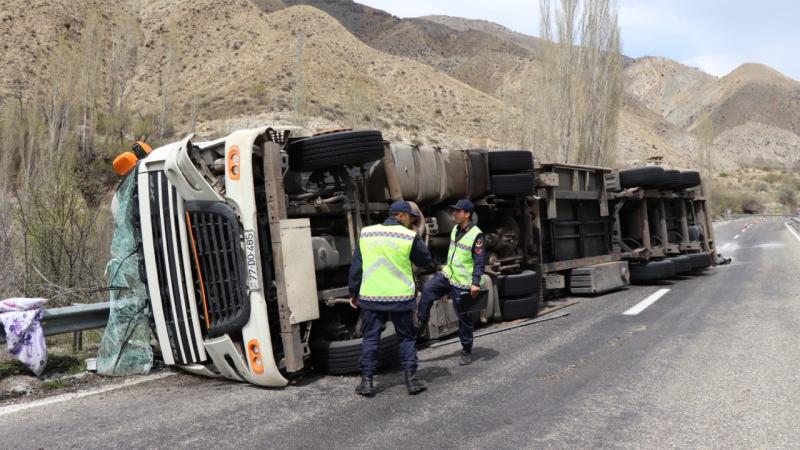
(387,273)
(460,264)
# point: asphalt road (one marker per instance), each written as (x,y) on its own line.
(712,363)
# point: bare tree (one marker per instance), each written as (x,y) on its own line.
(122,61)
(51,238)
(121,65)
(362,107)
(166,83)
(193,114)
(577,113)
(59,109)
(91,49)
(704,134)
(299,87)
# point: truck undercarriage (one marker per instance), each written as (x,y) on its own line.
(246,241)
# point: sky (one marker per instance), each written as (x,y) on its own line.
(714,35)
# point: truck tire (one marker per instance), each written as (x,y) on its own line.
(644,177)
(342,357)
(689,179)
(510,161)
(651,271)
(512,184)
(518,285)
(514,308)
(335,149)
(478,174)
(700,261)
(672,179)
(682,264)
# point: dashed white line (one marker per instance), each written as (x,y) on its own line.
(790,228)
(11,409)
(736,237)
(642,305)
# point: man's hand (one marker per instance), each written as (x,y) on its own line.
(474,290)
(353,303)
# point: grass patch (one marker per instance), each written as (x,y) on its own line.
(12,367)
(54,385)
(755,190)
(63,364)
(56,364)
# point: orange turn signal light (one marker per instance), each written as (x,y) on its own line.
(124,163)
(254,354)
(234,172)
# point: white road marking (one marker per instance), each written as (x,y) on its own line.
(11,409)
(642,305)
(728,246)
(768,245)
(736,237)
(790,228)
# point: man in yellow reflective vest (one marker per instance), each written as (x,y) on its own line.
(461,273)
(382,285)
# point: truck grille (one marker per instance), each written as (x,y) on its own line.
(170,249)
(218,261)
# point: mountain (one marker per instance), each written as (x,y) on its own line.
(668,110)
(237,64)
(484,55)
(663,85)
(751,114)
(436,79)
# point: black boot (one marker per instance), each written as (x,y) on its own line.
(365,387)
(421,328)
(466,358)
(414,385)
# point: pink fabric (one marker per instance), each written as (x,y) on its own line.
(21,319)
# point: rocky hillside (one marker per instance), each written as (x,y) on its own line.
(436,79)
(670,110)
(752,115)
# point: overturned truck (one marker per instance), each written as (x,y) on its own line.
(245,241)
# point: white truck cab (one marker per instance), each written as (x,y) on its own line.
(203,262)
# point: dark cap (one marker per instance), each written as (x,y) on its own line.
(464,205)
(401,206)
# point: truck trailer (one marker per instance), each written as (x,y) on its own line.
(245,241)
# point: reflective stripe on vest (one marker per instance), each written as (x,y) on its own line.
(386,259)
(460,264)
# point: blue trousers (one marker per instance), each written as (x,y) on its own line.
(372,322)
(436,288)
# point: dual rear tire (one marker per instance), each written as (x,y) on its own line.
(520,295)
(510,172)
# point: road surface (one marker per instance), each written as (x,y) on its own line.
(712,363)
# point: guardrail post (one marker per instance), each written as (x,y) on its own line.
(77,341)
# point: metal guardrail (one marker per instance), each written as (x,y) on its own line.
(70,319)
(757,216)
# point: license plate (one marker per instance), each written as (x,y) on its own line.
(250,254)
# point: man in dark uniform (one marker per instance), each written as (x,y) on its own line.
(382,285)
(461,273)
